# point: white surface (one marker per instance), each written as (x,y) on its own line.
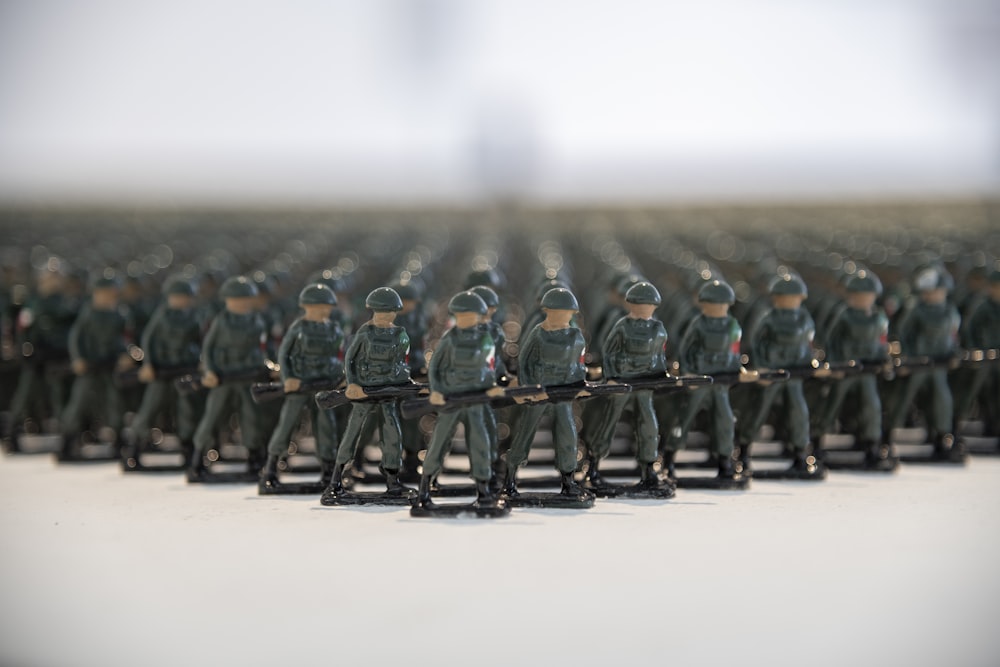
(103,569)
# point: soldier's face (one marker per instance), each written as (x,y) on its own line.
(558,319)
(384,319)
(466,320)
(317,312)
(934,296)
(241,305)
(714,309)
(787,301)
(105,298)
(642,311)
(179,301)
(861,300)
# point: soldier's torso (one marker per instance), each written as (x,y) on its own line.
(416,328)
(716,346)
(471,365)
(176,339)
(238,343)
(383,359)
(560,356)
(642,347)
(317,350)
(46,323)
(101,336)
(860,335)
(932,330)
(986,325)
(786,339)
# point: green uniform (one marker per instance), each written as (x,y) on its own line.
(782,339)
(464,360)
(376,357)
(983,333)
(97,337)
(927,330)
(710,345)
(855,335)
(233,347)
(310,351)
(634,348)
(170,341)
(551,359)
(415,324)
(43,327)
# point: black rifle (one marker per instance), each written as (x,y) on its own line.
(332,398)
(736,377)
(190,384)
(130,378)
(666,383)
(266,392)
(418,407)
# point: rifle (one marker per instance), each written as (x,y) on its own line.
(735,377)
(333,398)
(189,384)
(266,392)
(130,377)
(666,383)
(418,407)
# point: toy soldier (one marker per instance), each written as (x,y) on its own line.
(983,336)
(377,357)
(859,332)
(551,355)
(464,361)
(710,346)
(233,357)
(634,348)
(782,339)
(929,330)
(171,345)
(413,319)
(310,353)
(97,347)
(492,301)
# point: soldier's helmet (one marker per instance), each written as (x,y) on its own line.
(467,302)
(107,278)
(560,298)
(789,285)
(178,285)
(932,276)
(627,282)
(317,294)
(717,291)
(330,278)
(238,287)
(865,281)
(643,294)
(384,300)
(406,290)
(550,284)
(488,277)
(487,295)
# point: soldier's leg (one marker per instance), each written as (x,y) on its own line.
(478,442)
(85,388)
(216,406)
(524,435)
(154,399)
(324,423)
(758,409)
(611,409)
(564,437)
(940,420)
(491,431)
(391,437)
(797,414)
(349,444)
(697,399)
(647,429)
(112,406)
(288,421)
(828,412)
(28,381)
(991,403)
(722,422)
(904,399)
(250,437)
(444,427)
(870,415)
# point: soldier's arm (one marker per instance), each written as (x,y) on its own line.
(208,347)
(148,335)
(441,354)
(686,348)
(609,351)
(289,345)
(75,331)
(526,361)
(351,356)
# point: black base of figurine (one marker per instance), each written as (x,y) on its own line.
(403,497)
(581,501)
(739,483)
(886,465)
(662,492)
(227,477)
(131,464)
(80,456)
(813,473)
(475,510)
(290,488)
(299,468)
(937,458)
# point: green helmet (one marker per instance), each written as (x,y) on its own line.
(643,294)
(265,283)
(107,278)
(384,300)
(864,282)
(178,285)
(717,291)
(627,282)
(317,294)
(467,302)
(560,298)
(551,284)
(789,285)
(932,276)
(238,287)
(487,295)
(488,277)
(406,290)
(330,278)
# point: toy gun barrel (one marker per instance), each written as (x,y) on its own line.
(666,384)
(267,392)
(191,383)
(333,398)
(418,407)
(130,378)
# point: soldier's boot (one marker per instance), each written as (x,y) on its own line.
(411,467)
(805,464)
(326,472)
(948,448)
(424,493)
(269,473)
(254,463)
(131,451)
(726,468)
(669,455)
(572,488)
(336,485)
(392,484)
(187,452)
(594,479)
(484,495)
(196,470)
(746,469)
(510,484)
(648,478)
(69,449)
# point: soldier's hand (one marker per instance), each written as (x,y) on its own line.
(512,381)
(495,392)
(146,373)
(79,366)
(531,398)
(437,398)
(355,392)
(292,385)
(749,376)
(124,362)
(210,379)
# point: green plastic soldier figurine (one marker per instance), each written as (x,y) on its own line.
(171,345)
(413,319)
(492,301)
(782,339)
(551,355)
(311,352)
(378,356)
(930,329)
(635,347)
(464,361)
(710,345)
(983,336)
(859,331)
(97,347)
(233,358)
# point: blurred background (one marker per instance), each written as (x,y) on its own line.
(320,103)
